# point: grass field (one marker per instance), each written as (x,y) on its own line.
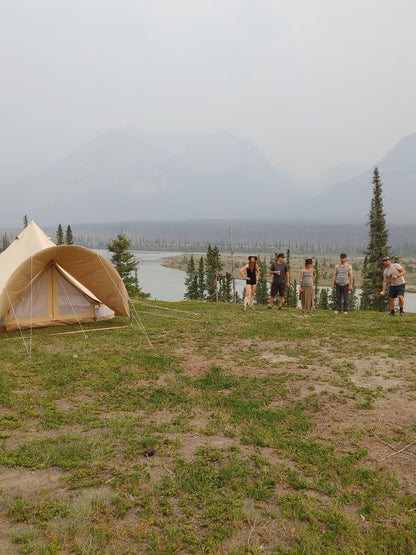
(233,432)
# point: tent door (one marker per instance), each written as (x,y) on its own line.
(52,299)
(68,300)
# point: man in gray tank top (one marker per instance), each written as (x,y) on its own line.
(342,281)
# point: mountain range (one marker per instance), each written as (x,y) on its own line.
(349,200)
(129,175)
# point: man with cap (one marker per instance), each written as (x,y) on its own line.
(281,280)
(393,275)
(342,282)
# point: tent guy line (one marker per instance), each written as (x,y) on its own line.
(165,308)
(174,317)
(133,311)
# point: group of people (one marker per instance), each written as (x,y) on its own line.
(342,283)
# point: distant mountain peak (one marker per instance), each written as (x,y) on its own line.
(348,201)
(125,174)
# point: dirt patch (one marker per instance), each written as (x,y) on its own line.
(22,481)
(385,431)
(386,428)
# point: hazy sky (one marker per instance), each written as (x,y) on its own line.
(310,83)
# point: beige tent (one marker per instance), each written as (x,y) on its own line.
(43,284)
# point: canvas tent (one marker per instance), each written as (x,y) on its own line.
(43,284)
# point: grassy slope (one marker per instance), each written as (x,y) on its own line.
(260,432)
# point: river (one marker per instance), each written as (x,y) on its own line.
(163,284)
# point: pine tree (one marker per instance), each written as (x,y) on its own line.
(126,264)
(377,248)
(323,302)
(212,271)
(191,281)
(262,294)
(25,221)
(69,238)
(353,301)
(291,295)
(59,235)
(201,279)
(316,284)
(332,300)
(225,293)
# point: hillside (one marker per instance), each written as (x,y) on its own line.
(230,432)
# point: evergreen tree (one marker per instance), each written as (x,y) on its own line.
(316,289)
(191,281)
(126,264)
(377,248)
(69,238)
(25,222)
(226,285)
(291,295)
(262,294)
(201,279)
(353,301)
(59,235)
(323,302)
(332,300)
(212,271)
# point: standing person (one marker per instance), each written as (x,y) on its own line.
(306,279)
(252,274)
(393,274)
(281,280)
(342,282)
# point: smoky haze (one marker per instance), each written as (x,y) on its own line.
(310,84)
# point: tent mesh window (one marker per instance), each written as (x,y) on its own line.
(70,300)
(35,301)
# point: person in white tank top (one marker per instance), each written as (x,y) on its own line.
(342,282)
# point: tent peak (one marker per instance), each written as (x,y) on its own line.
(33,229)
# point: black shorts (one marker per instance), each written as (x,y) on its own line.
(396,291)
(278,287)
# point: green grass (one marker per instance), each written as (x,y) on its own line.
(233,433)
